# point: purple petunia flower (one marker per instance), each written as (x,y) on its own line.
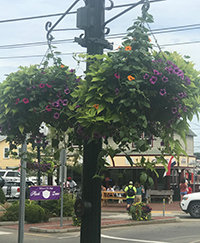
(48,85)
(153,79)
(41,85)
(59,101)
(26,101)
(64,102)
(78,79)
(176,99)
(159,60)
(55,104)
(56,115)
(58,94)
(77,106)
(176,70)
(174,110)
(156,72)
(67,91)
(165,79)
(181,95)
(162,92)
(181,74)
(179,106)
(116,91)
(146,76)
(185,109)
(16,101)
(71,70)
(169,70)
(169,62)
(187,81)
(117,75)
(178,115)
(162,143)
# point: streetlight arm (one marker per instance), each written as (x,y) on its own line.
(123,12)
(49,24)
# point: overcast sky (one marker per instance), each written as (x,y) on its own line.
(167,14)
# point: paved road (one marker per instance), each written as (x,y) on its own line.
(185,231)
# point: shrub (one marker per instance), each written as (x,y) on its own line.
(52,207)
(12,213)
(2,196)
(34,213)
(76,220)
(140,211)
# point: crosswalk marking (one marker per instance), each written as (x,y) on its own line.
(5,233)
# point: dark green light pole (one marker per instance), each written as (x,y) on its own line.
(91,19)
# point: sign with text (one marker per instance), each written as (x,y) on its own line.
(44,193)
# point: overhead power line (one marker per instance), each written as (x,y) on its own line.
(111,36)
(39,55)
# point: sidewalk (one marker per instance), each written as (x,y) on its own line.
(118,217)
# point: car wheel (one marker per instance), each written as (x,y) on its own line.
(194,209)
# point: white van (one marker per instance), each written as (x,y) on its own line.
(10,175)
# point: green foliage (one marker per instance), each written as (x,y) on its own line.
(12,213)
(76,220)
(34,213)
(2,196)
(127,93)
(140,211)
(53,206)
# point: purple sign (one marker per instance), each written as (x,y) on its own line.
(44,192)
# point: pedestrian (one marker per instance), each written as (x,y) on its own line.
(72,185)
(110,189)
(138,195)
(130,194)
(189,189)
(183,188)
(143,193)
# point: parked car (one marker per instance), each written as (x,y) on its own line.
(191,204)
(11,189)
(10,175)
(2,182)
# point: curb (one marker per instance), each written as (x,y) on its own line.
(3,223)
(159,221)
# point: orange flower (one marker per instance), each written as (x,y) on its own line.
(149,39)
(62,66)
(130,78)
(128,48)
(118,48)
(96,106)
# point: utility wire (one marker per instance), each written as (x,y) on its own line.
(111,36)
(39,55)
(59,14)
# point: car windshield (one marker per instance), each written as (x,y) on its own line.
(2,173)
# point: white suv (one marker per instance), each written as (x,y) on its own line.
(191,204)
(10,175)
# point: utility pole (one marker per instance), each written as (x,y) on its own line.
(91,19)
